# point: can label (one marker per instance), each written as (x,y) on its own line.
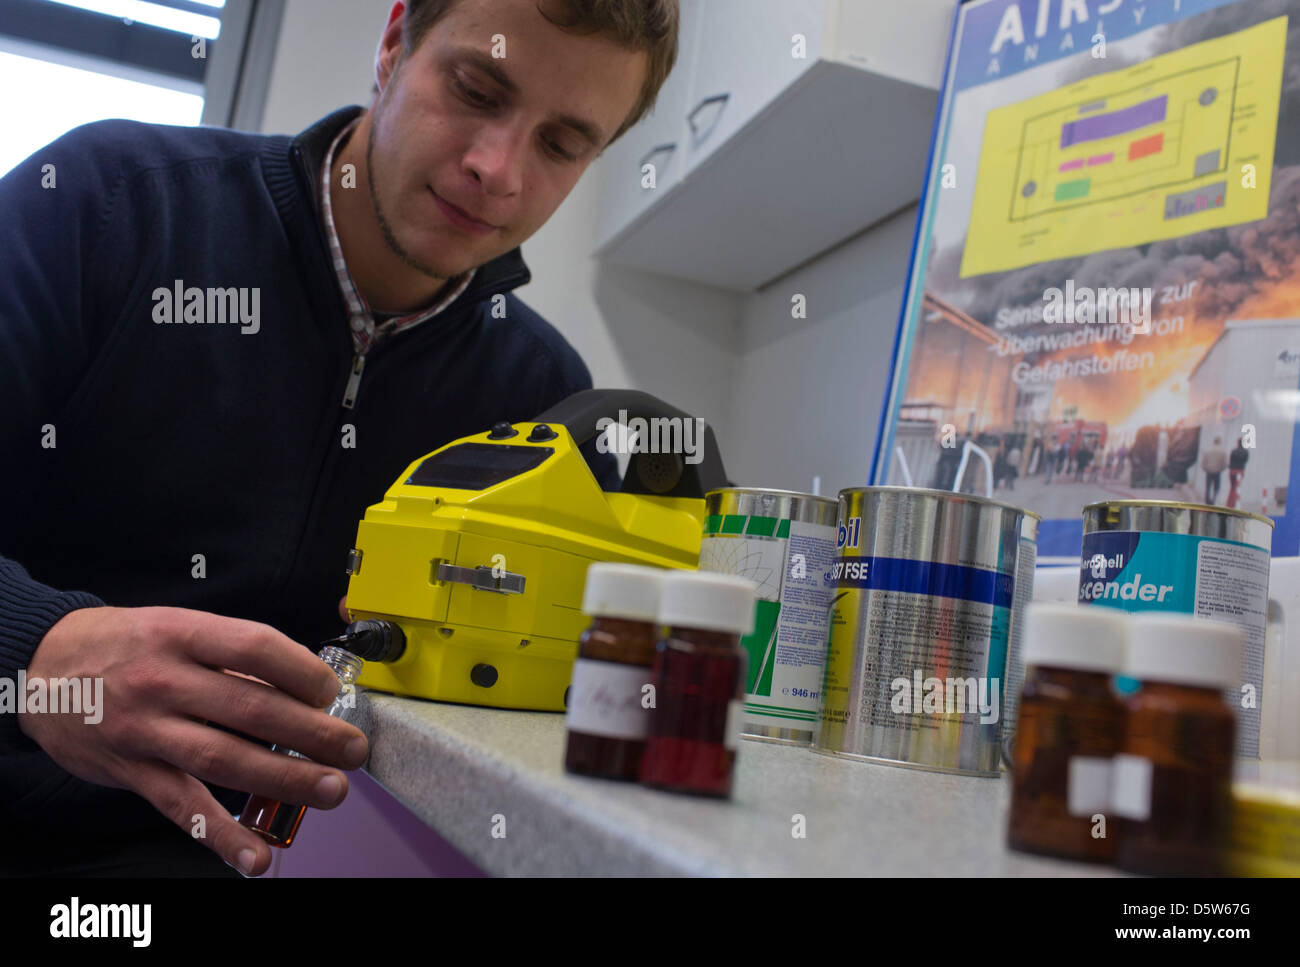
(788,560)
(1188,574)
(918,651)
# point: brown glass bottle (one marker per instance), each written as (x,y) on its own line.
(1065,714)
(1186,733)
(700,685)
(275,821)
(607,721)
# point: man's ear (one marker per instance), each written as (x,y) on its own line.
(389,51)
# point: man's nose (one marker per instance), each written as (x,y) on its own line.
(496,158)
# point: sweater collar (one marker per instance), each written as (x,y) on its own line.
(302,157)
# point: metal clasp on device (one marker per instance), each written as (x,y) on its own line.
(354,561)
(481,578)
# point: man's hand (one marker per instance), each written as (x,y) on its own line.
(343,610)
(164,673)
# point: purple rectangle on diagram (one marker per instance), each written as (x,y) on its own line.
(1071,165)
(1101,159)
(1116,122)
(1195,200)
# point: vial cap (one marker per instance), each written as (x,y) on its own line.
(1184,650)
(708,601)
(1088,638)
(623,591)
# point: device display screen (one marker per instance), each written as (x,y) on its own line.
(477,466)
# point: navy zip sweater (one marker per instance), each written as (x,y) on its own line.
(129,446)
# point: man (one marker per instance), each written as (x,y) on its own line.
(1236,470)
(1082,459)
(1213,460)
(156,454)
(946,469)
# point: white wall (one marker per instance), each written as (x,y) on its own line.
(809,392)
(673,339)
(324,60)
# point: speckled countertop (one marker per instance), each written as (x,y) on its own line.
(492,783)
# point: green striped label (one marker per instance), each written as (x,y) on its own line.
(759,645)
(747,524)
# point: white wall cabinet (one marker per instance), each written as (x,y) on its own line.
(744,58)
(658,139)
(776,157)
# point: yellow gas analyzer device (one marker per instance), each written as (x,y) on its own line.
(479,551)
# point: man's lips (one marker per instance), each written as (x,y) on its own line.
(460,217)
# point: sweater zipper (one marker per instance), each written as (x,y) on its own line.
(354,380)
(359,361)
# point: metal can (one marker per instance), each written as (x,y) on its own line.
(1195,559)
(784,542)
(920,628)
(1026,559)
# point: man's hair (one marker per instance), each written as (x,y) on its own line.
(641,25)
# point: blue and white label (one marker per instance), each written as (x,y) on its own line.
(1188,574)
(925,577)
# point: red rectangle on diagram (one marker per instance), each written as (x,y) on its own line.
(1145,146)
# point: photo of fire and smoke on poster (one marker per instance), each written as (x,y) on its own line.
(1105,300)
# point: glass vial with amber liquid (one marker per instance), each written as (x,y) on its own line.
(1069,730)
(608,716)
(1173,775)
(277,822)
(699,676)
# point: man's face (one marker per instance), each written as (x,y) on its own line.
(503,139)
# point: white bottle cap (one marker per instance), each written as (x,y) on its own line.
(1184,650)
(1088,638)
(623,591)
(711,602)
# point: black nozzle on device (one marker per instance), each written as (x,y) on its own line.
(371,640)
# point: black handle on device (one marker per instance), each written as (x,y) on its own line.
(656,474)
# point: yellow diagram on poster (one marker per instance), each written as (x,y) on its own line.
(1150,152)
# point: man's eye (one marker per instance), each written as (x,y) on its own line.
(557,150)
(473,95)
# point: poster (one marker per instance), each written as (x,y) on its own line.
(1104,296)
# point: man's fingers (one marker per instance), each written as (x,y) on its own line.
(255,709)
(226,760)
(187,803)
(343,610)
(259,650)
(218,757)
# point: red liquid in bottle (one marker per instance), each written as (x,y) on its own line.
(699,679)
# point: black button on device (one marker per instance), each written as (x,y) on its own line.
(484,676)
(541,433)
(502,431)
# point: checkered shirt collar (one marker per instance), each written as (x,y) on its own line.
(361,319)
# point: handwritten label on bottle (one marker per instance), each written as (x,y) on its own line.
(1131,795)
(605,699)
(1088,785)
